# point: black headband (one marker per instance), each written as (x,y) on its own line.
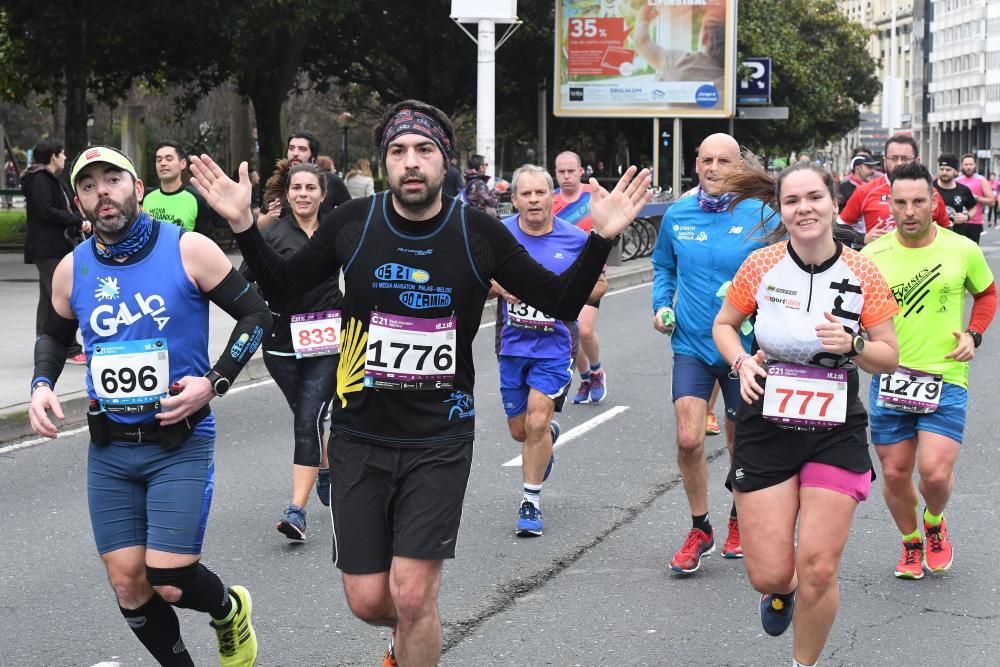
(411,121)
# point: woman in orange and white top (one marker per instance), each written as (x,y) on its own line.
(801,449)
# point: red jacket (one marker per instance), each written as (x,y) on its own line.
(871,202)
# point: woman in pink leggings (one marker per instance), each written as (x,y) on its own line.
(801,448)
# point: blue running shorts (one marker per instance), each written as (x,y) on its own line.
(518,375)
(143,494)
(693,377)
(889,426)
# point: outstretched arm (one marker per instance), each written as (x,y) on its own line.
(279,277)
(652,53)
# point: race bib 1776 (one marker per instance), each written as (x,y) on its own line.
(410,352)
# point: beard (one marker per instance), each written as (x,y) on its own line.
(419,201)
(968,172)
(114,228)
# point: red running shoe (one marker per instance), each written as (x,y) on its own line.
(733,548)
(911,565)
(688,558)
(389,659)
(938,554)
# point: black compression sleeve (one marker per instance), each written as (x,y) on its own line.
(253,321)
(50,348)
(281,278)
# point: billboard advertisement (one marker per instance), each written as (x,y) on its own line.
(652,58)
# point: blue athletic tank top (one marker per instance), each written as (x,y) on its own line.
(132,312)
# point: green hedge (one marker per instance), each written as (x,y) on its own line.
(12,225)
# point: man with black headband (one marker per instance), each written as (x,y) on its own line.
(417,268)
(140,290)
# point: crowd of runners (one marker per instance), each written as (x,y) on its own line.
(761,302)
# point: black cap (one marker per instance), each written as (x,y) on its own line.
(866,160)
(948,160)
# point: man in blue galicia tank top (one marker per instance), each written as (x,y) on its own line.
(140,290)
(417,269)
(700,246)
(535,349)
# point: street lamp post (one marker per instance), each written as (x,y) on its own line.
(486,14)
(345,124)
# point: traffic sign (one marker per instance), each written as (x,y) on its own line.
(756,87)
(762,113)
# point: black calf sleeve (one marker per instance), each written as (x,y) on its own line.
(156,626)
(201,589)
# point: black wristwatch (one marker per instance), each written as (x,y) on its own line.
(857,346)
(977,338)
(220,383)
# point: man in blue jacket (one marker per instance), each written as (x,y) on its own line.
(700,246)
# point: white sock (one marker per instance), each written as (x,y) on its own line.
(796,663)
(533,494)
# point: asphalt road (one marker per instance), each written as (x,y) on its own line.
(594,590)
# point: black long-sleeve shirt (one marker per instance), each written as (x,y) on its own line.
(50,214)
(436,268)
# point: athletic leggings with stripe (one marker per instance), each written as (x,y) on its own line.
(308,385)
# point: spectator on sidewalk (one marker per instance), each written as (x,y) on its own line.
(10,181)
(359,180)
(477,190)
(52,222)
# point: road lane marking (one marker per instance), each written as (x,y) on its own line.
(579,430)
(80,429)
(38,441)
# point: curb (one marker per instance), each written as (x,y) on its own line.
(14,423)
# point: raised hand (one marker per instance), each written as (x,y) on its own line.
(613,211)
(230,199)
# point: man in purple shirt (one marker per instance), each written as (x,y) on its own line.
(536,352)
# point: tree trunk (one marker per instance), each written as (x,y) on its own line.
(239,129)
(76,89)
(267,109)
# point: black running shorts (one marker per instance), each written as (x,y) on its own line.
(395,501)
(765,454)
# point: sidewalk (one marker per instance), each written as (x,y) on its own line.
(19,296)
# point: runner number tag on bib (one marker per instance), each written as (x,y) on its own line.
(410,352)
(909,390)
(524,316)
(130,376)
(796,395)
(316,334)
